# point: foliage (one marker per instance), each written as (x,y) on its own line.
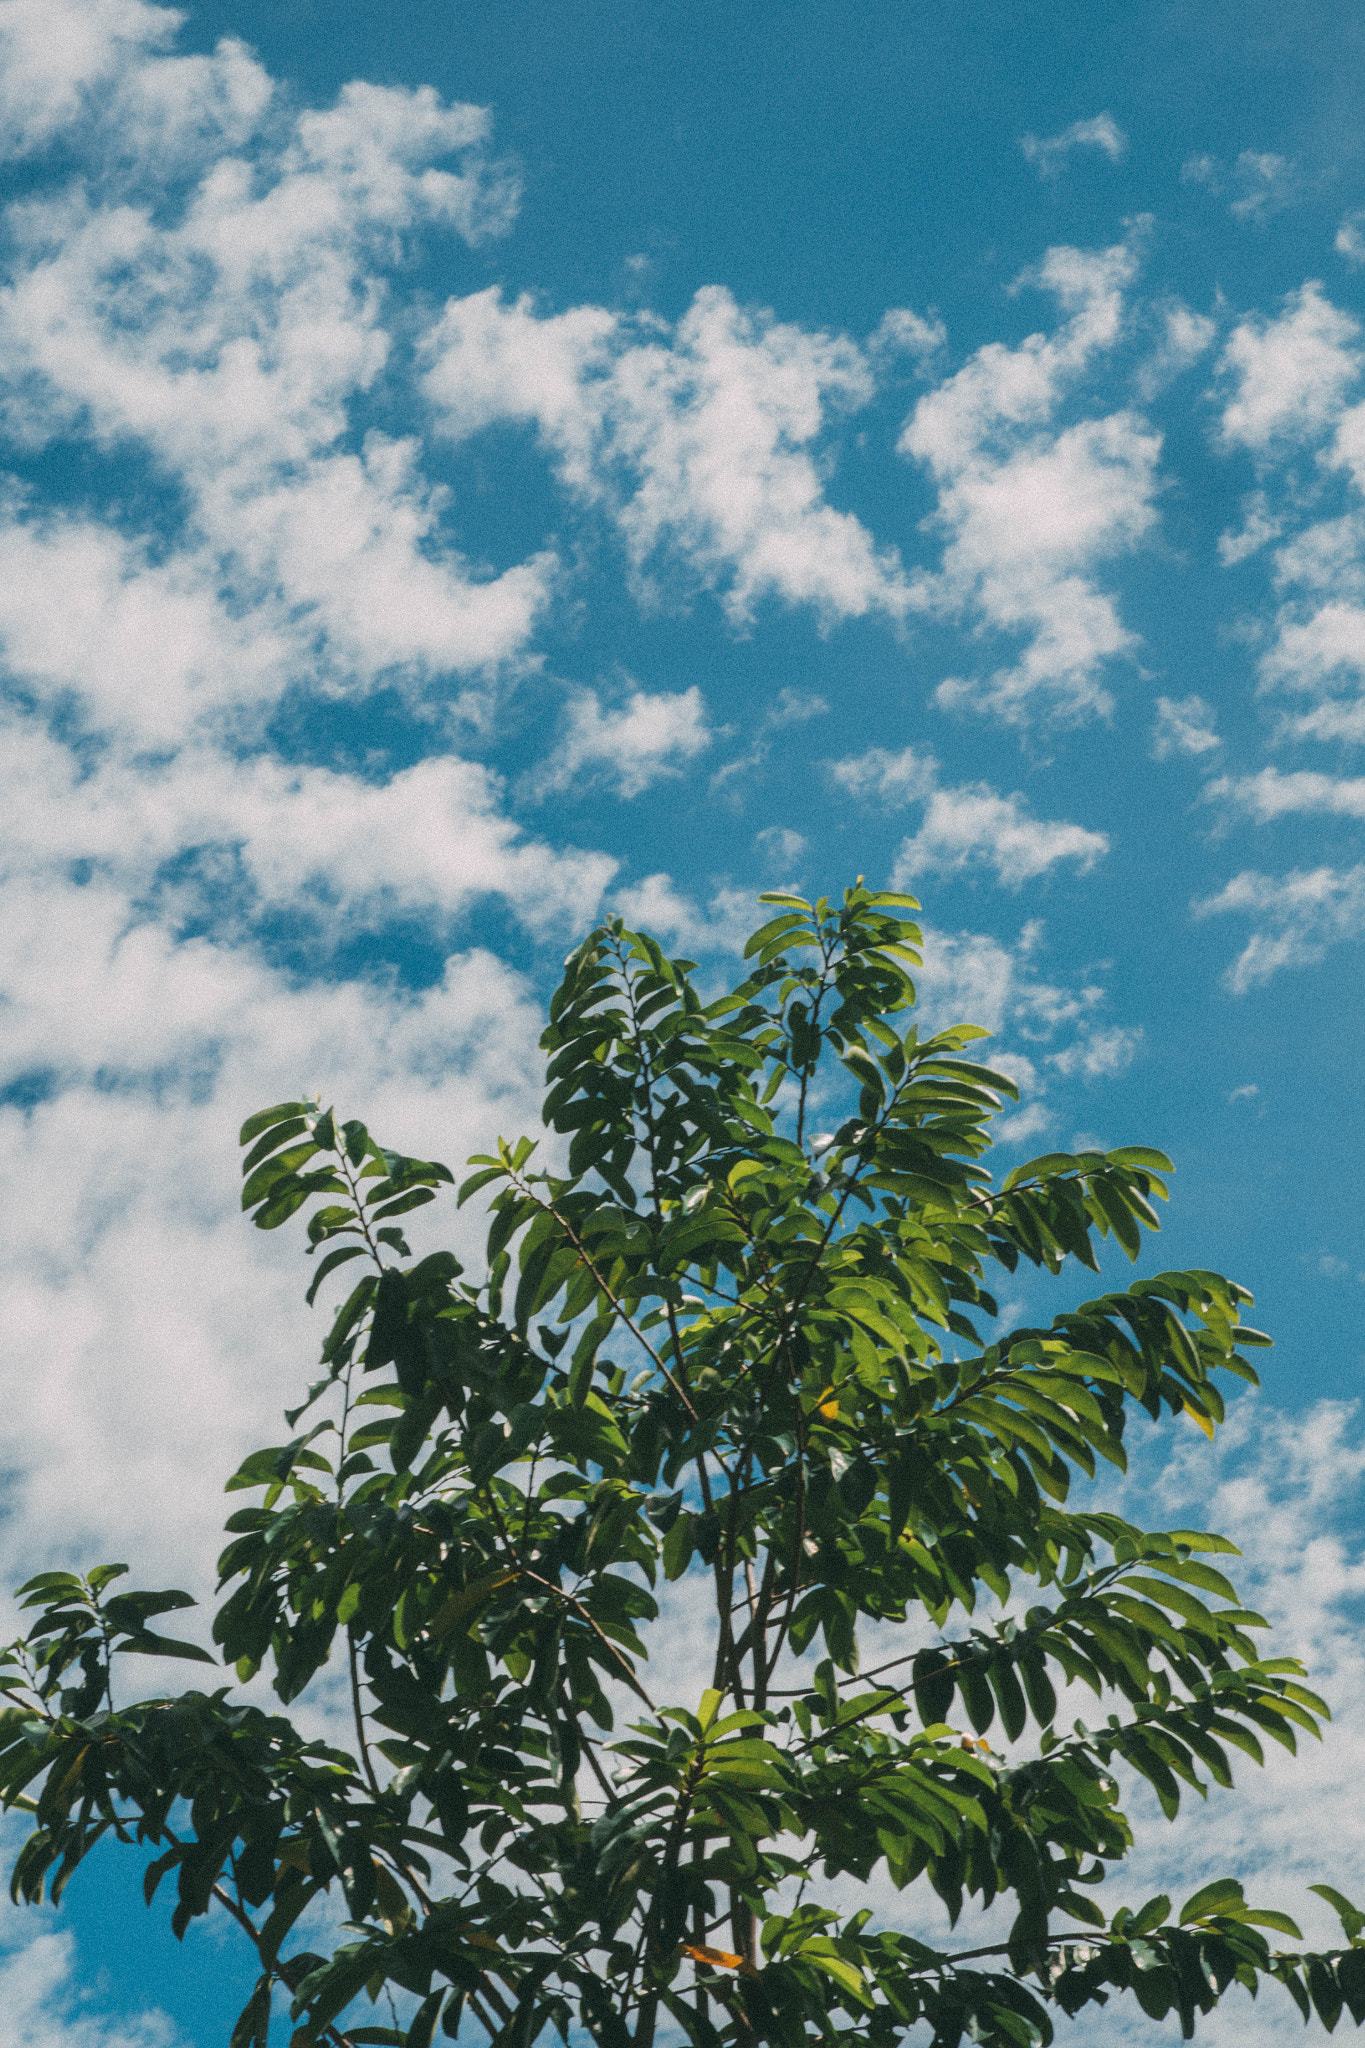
(717,1352)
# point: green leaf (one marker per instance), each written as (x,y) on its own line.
(265,1119)
(329,1265)
(1351,1917)
(733,1353)
(1224,1895)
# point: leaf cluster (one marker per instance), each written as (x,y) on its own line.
(720,1364)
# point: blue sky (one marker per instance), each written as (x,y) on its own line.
(469,466)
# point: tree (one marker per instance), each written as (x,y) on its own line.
(714,1348)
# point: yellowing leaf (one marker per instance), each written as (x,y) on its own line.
(719,1958)
(461,1603)
(1205,1422)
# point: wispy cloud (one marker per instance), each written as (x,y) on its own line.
(1184,725)
(970,826)
(1261,182)
(1259,527)
(1044,1030)
(1350,239)
(626,749)
(1266,184)
(780,848)
(1049,153)
(790,707)
(1297,918)
(1185,336)
(44,2005)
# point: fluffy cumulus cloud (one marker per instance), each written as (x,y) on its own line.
(211,304)
(206,311)
(119,1206)
(206,303)
(1287,376)
(1291,386)
(227,338)
(265,834)
(1029,508)
(702,443)
(971,826)
(975,827)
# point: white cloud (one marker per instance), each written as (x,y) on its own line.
(1324,558)
(780,848)
(1287,1489)
(718,434)
(223,339)
(1290,374)
(182,1329)
(878,776)
(1318,646)
(701,441)
(1298,916)
(1101,132)
(1101,1054)
(1029,511)
(1274,794)
(790,707)
(901,332)
(1266,184)
(1350,241)
(1001,388)
(648,737)
(43,2005)
(227,338)
(1184,725)
(974,827)
(1313,656)
(1262,182)
(969,826)
(1029,1122)
(658,906)
(1185,337)
(972,978)
(57,59)
(431,839)
(1258,527)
